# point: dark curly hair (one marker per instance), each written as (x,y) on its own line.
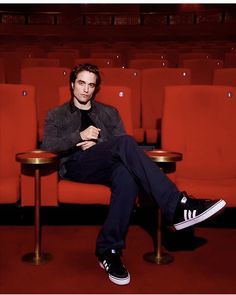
(85,67)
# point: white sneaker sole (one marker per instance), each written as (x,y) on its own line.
(115,280)
(203,216)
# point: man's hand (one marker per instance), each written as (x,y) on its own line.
(90,133)
(86,144)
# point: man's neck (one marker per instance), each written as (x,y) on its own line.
(82,106)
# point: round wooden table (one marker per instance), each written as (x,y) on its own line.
(166,160)
(37,159)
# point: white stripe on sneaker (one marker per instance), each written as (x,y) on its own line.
(188,214)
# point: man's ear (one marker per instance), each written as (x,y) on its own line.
(72,85)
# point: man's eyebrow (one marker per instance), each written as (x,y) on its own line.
(91,83)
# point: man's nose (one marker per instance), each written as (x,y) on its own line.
(86,88)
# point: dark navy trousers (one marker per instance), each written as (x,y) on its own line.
(122,165)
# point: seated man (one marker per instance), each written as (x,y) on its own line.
(95,149)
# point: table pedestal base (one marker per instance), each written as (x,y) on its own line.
(164,258)
(33,258)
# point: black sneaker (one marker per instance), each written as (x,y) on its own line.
(191,211)
(110,261)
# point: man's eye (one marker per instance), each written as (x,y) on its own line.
(92,85)
(81,82)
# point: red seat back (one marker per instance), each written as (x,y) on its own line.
(153,85)
(147,63)
(225,76)
(202,69)
(46,81)
(117,96)
(17,134)
(199,121)
(130,78)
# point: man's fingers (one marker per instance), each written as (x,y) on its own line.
(80,143)
(90,133)
(85,144)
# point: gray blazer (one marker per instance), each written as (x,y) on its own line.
(62,126)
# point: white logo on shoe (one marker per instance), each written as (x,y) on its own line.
(188,214)
(183,200)
(105,265)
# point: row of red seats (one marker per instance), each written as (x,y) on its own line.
(18,126)
(147,92)
(200,63)
(198,121)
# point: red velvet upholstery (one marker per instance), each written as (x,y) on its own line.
(99,61)
(192,55)
(12,64)
(46,81)
(202,69)
(132,79)
(82,193)
(117,96)
(2,71)
(118,60)
(153,86)
(147,63)
(17,134)
(66,58)
(31,50)
(230,60)
(39,62)
(200,122)
(148,54)
(225,77)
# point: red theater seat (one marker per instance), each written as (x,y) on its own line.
(118,60)
(153,85)
(192,55)
(98,61)
(130,78)
(46,81)
(200,122)
(202,69)
(17,134)
(39,62)
(64,191)
(66,58)
(147,63)
(12,65)
(230,60)
(74,192)
(225,77)
(2,71)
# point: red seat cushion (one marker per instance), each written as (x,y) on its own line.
(83,193)
(9,190)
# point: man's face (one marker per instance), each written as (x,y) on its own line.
(84,86)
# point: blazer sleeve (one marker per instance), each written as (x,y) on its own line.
(55,139)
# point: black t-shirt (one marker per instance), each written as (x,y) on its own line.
(86,121)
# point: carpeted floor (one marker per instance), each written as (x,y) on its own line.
(209,268)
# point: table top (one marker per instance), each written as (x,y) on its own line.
(36,157)
(164,156)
